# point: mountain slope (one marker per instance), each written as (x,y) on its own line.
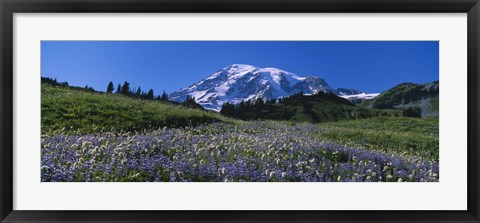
(405,95)
(320,107)
(240,82)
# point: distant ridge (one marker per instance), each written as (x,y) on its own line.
(405,95)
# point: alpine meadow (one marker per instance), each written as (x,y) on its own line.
(240,111)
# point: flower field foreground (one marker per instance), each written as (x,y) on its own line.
(250,152)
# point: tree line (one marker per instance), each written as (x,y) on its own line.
(312,108)
(126,90)
(249,109)
(260,108)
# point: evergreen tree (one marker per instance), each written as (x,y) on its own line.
(191,103)
(259,102)
(143,95)
(139,92)
(149,95)
(164,96)
(126,88)
(88,88)
(119,89)
(284,113)
(51,81)
(110,88)
(228,109)
(241,105)
(415,112)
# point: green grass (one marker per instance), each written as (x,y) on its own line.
(397,135)
(87,112)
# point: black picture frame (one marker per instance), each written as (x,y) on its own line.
(9,7)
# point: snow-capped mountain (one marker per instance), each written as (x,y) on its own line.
(357,98)
(345,92)
(239,82)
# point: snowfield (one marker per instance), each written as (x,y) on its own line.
(362,96)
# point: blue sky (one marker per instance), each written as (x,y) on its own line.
(371,66)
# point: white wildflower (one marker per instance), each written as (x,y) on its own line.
(223,170)
(272,174)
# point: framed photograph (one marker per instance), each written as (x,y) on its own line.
(239,111)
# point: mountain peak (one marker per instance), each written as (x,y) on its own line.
(239,66)
(239,82)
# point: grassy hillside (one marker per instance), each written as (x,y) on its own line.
(407,95)
(306,108)
(87,112)
(394,135)
(327,108)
